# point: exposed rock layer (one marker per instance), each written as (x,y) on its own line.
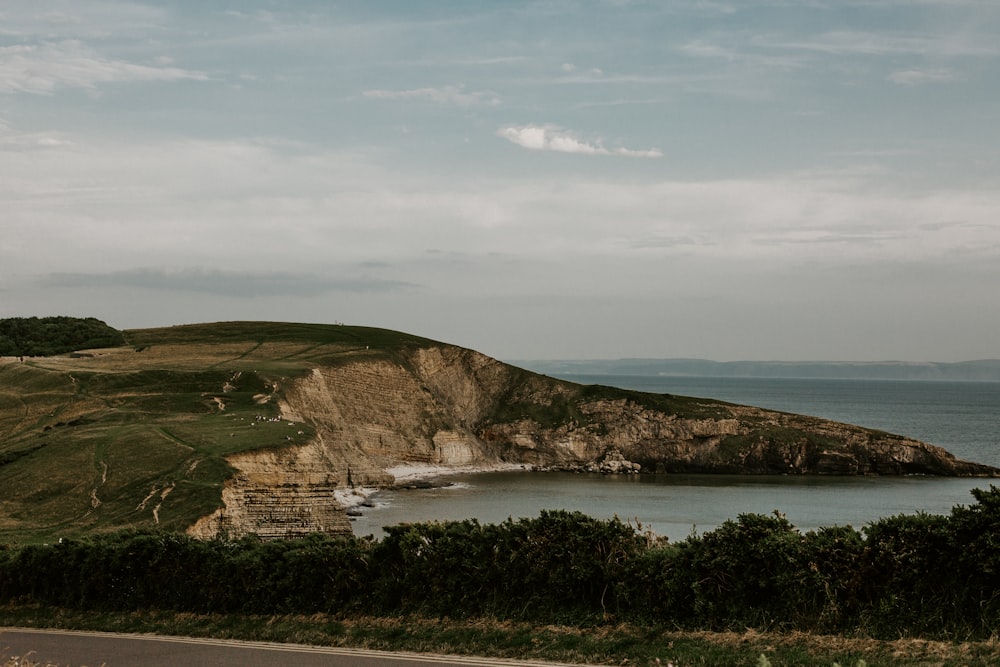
(451,407)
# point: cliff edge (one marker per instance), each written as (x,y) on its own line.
(449,407)
(268,428)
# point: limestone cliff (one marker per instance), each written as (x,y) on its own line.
(446,406)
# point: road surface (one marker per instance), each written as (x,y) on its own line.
(94,649)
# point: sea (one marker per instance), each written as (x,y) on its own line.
(962,417)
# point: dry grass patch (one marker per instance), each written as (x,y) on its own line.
(603,644)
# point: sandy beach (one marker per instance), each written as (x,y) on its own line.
(411,473)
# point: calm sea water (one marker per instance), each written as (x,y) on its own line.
(963,417)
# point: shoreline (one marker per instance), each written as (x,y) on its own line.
(407,475)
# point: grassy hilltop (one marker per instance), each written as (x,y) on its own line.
(138,435)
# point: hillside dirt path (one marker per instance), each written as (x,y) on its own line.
(244,355)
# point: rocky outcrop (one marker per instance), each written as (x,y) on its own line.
(748,441)
(450,407)
(369,414)
(614,463)
(278,494)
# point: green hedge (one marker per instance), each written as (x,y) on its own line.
(932,576)
(559,566)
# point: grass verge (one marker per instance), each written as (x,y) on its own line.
(609,644)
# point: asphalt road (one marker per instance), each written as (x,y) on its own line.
(96,649)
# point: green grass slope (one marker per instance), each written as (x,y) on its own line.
(283,332)
(137,436)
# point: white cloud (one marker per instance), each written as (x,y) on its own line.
(740,54)
(42,68)
(916,77)
(69,19)
(178,179)
(866,43)
(558,140)
(344,238)
(251,206)
(12,140)
(61,18)
(443,95)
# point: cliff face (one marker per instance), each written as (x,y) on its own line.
(278,495)
(450,407)
(369,414)
(750,441)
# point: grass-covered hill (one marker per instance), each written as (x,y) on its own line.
(138,434)
(254,425)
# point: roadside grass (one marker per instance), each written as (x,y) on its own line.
(607,644)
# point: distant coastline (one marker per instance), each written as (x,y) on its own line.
(987,370)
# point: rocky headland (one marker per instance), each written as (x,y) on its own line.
(441,408)
(275,429)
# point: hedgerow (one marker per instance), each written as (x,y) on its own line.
(918,575)
(559,566)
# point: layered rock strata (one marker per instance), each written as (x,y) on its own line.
(450,407)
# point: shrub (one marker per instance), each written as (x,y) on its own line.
(935,576)
(833,557)
(560,565)
(907,575)
(35,337)
(747,573)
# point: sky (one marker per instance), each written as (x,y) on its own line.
(561,179)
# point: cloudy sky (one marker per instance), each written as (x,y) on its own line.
(727,179)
